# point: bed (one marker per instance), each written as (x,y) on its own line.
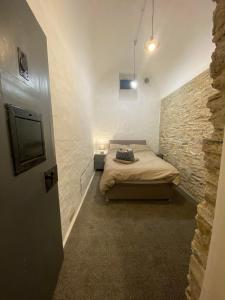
(148,178)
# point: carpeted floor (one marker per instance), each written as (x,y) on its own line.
(128,250)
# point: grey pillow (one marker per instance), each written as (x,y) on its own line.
(127,154)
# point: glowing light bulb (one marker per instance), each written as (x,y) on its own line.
(133,84)
(151,45)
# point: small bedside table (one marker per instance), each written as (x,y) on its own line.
(99,161)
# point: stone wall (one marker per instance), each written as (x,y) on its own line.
(184,124)
(212,148)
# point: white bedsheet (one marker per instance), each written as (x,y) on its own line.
(148,168)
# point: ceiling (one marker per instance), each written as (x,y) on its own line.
(183,28)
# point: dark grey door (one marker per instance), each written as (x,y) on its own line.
(30,232)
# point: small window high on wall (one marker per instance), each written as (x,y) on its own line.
(125,81)
(125,84)
(126,92)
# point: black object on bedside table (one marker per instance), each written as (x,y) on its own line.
(99,161)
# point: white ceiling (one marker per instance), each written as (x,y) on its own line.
(182,27)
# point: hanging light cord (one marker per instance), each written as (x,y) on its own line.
(140,20)
(153,14)
(137,33)
(135,43)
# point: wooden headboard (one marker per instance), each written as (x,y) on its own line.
(128,142)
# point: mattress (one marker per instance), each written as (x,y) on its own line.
(149,169)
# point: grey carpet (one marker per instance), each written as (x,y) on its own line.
(128,250)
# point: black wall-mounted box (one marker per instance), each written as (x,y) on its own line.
(26,137)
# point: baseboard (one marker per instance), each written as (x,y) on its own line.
(77,212)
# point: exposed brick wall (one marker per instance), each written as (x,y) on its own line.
(213,149)
(184,124)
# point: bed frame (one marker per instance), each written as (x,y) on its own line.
(147,190)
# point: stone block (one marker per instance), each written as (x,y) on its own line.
(212,161)
(212,147)
(213,177)
(196,277)
(203,238)
(200,251)
(206,212)
(210,193)
(219,82)
(218,59)
(218,119)
(216,102)
(204,227)
(218,135)
(219,22)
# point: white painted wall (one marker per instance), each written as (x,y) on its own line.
(213,285)
(126,114)
(66,25)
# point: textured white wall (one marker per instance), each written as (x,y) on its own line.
(66,25)
(126,114)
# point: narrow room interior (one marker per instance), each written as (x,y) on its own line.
(112,169)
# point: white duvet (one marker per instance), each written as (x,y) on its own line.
(148,168)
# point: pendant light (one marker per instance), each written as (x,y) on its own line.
(152,44)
